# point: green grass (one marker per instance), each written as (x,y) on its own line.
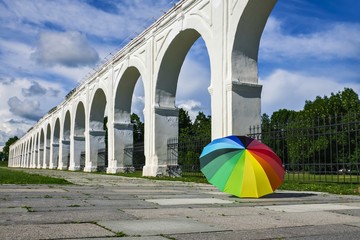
(292,182)
(335,188)
(186,177)
(3,163)
(295,182)
(309,177)
(8,176)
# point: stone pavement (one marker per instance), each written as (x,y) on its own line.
(113,207)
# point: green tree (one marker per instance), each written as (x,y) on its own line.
(6,148)
(310,135)
(202,126)
(138,128)
(185,124)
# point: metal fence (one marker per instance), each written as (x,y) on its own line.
(316,150)
(136,153)
(186,153)
(320,150)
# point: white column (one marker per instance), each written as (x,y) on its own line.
(96,139)
(77,144)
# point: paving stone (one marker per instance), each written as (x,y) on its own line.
(158,226)
(309,207)
(188,201)
(305,232)
(52,231)
(130,205)
(13,210)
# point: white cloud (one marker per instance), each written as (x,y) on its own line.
(290,90)
(335,41)
(70,49)
(192,107)
(28,109)
(18,111)
(80,16)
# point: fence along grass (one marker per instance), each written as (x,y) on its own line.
(324,149)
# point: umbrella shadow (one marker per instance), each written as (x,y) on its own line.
(289,195)
(282,195)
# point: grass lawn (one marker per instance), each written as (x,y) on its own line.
(308,177)
(3,163)
(8,176)
(291,183)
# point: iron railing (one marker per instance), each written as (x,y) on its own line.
(186,153)
(316,150)
(321,150)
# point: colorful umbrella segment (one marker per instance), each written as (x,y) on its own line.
(241,166)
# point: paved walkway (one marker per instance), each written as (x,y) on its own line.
(113,207)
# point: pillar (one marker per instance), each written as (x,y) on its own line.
(122,134)
(77,145)
(166,127)
(96,140)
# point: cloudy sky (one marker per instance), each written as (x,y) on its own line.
(309,48)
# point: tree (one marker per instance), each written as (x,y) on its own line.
(312,134)
(138,128)
(6,148)
(202,126)
(185,124)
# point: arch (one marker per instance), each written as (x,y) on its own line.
(67,126)
(79,124)
(246,43)
(245,94)
(97,110)
(170,67)
(97,158)
(30,150)
(48,147)
(123,128)
(166,113)
(124,93)
(56,135)
(36,150)
(26,153)
(64,153)
(77,143)
(41,148)
(55,145)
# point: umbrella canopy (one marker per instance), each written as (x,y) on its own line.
(241,166)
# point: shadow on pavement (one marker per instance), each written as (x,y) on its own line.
(289,195)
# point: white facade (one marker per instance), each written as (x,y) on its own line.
(70,136)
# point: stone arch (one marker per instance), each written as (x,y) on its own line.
(47,146)
(55,145)
(245,98)
(22,154)
(64,158)
(247,40)
(124,93)
(123,128)
(36,150)
(97,158)
(77,143)
(166,113)
(97,110)
(30,150)
(41,148)
(170,67)
(26,153)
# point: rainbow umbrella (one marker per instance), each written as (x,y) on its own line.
(241,166)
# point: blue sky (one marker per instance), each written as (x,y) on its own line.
(309,48)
